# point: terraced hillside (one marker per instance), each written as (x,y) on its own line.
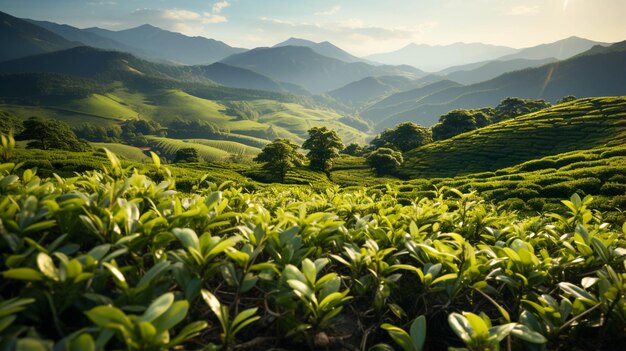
(578,125)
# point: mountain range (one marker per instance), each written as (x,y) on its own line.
(303,66)
(434,58)
(171,46)
(147,59)
(324,48)
(19,38)
(599,73)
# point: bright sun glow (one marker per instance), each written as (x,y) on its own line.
(565,2)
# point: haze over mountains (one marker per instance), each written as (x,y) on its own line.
(319,75)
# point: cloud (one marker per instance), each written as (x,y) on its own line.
(179,20)
(330,12)
(102,3)
(219,6)
(181,15)
(522,10)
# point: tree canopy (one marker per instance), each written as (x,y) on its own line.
(512,107)
(353,149)
(456,122)
(404,137)
(279,156)
(323,145)
(384,160)
(187,154)
(50,134)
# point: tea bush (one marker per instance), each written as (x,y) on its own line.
(115,260)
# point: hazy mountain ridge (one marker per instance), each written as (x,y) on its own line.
(303,66)
(84,37)
(602,74)
(436,57)
(19,38)
(324,48)
(561,49)
(492,69)
(371,89)
(170,46)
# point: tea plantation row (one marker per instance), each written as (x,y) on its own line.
(116,260)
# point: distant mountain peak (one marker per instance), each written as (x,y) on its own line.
(324,48)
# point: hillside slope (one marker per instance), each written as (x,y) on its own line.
(372,89)
(303,66)
(170,46)
(561,49)
(602,74)
(578,125)
(436,57)
(324,48)
(19,38)
(493,69)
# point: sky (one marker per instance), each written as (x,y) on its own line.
(361,27)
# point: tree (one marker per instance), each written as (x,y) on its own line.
(404,137)
(50,134)
(279,156)
(353,149)
(566,98)
(323,145)
(512,107)
(384,160)
(456,122)
(187,154)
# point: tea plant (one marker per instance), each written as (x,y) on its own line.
(120,259)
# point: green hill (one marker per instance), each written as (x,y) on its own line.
(600,74)
(371,89)
(19,38)
(578,125)
(492,69)
(171,46)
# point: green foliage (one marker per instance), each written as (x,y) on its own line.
(279,156)
(114,259)
(567,98)
(50,134)
(186,155)
(384,160)
(458,122)
(7,145)
(353,149)
(513,107)
(404,137)
(323,145)
(580,125)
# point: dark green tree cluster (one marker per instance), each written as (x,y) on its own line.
(512,107)
(404,137)
(182,128)
(459,121)
(567,98)
(187,154)
(353,149)
(49,134)
(92,132)
(323,145)
(384,160)
(279,156)
(137,127)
